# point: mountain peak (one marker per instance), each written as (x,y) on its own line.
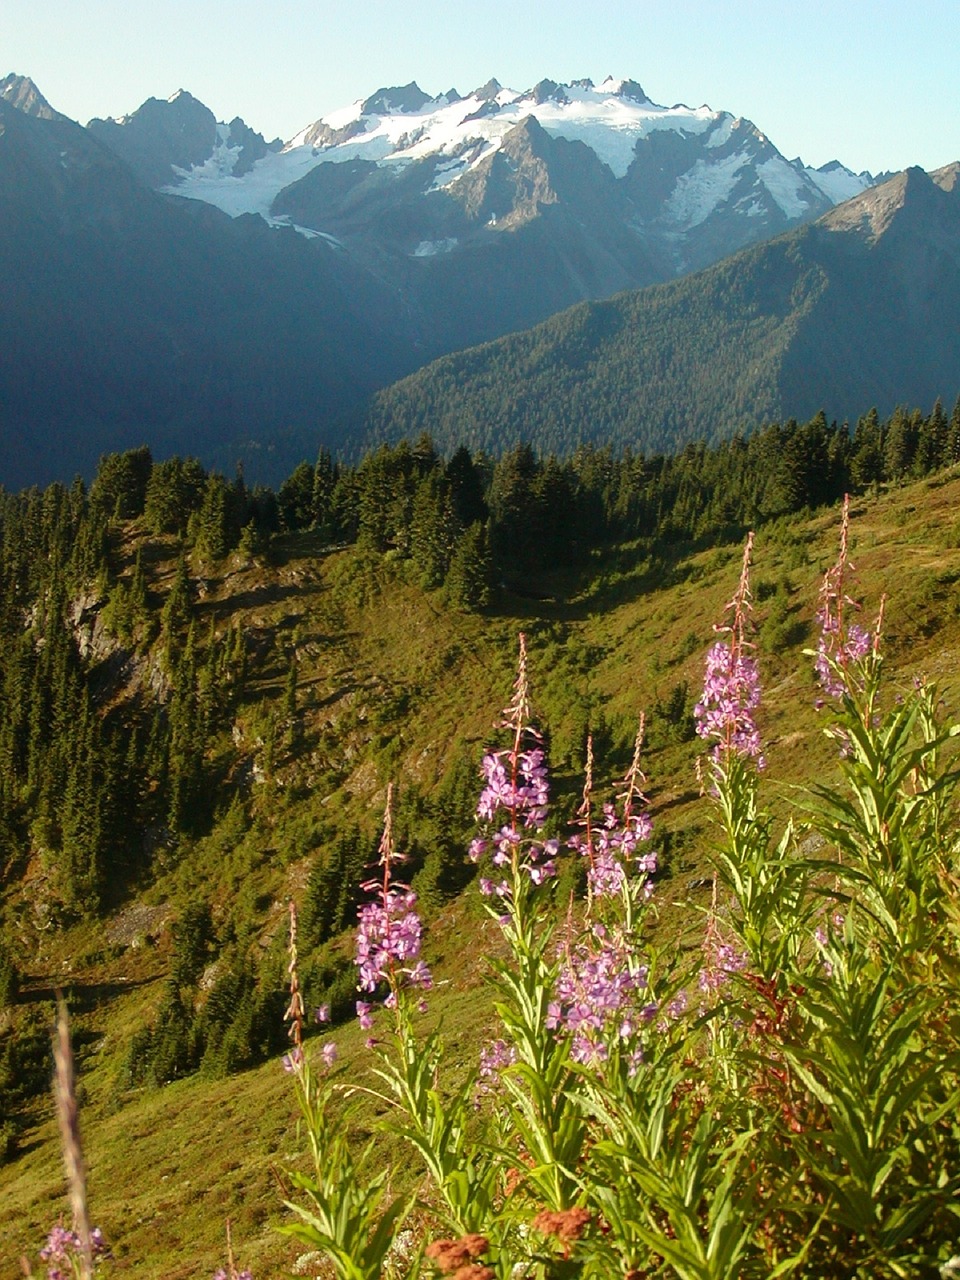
(948,178)
(487,92)
(874,211)
(624,89)
(546,91)
(22,93)
(407,98)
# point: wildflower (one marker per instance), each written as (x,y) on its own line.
(322,1014)
(841,643)
(389,930)
(722,961)
(364,1015)
(594,994)
(611,844)
(329,1053)
(516,788)
(292,1061)
(64,1251)
(677,1006)
(388,936)
(731,687)
(496,1057)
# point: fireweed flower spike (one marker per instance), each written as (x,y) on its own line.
(293,1060)
(731,688)
(516,795)
(841,642)
(65,1096)
(389,931)
(598,995)
(611,843)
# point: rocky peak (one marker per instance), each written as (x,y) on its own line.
(406,98)
(488,92)
(22,93)
(546,91)
(163,134)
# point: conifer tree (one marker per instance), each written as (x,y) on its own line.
(468,580)
(177,609)
(434,529)
(953,435)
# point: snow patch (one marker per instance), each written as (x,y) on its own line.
(785,185)
(703,188)
(837,182)
(430,248)
(721,135)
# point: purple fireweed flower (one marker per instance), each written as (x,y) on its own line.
(64,1250)
(292,1061)
(495,1057)
(835,654)
(731,687)
(842,644)
(731,693)
(677,1006)
(329,1053)
(420,976)
(594,995)
(477,848)
(364,1015)
(516,782)
(612,844)
(322,1014)
(515,796)
(388,936)
(389,929)
(721,961)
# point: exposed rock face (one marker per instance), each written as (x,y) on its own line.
(163,140)
(22,93)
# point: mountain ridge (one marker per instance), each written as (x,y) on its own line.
(257,329)
(830,315)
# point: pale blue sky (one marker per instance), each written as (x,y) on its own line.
(870,82)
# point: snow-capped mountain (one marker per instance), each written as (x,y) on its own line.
(162,141)
(486,213)
(377,239)
(696,182)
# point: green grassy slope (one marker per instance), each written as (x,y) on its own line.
(393,686)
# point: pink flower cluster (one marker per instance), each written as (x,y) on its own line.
(611,847)
(64,1249)
(523,791)
(841,643)
(496,1057)
(731,694)
(721,961)
(388,938)
(515,785)
(595,993)
(836,651)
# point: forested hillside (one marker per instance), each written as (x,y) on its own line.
(207,688)
(861,306)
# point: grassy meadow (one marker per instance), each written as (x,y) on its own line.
(393,686)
